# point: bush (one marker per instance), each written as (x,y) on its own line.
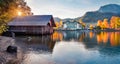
(98,28)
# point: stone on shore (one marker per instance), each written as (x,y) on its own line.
(6,57)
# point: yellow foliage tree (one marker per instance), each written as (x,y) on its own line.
(61,23)
(91,27)
(105,24)
(99,23)
(57,25)
(112,22)
(115,22)
(82,23)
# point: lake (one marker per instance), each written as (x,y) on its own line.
(71,47)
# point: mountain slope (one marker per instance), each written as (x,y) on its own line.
(94,16)
(56,19)
(111,8)
(106,11)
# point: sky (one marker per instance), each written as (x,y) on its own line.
(66,8)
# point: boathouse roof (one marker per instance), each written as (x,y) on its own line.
(35,20)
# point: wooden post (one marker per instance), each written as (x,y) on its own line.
(13,35)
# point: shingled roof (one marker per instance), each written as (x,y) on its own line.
(35,20)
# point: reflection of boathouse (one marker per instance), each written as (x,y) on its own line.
(36,43)
(38,24)
(71,25)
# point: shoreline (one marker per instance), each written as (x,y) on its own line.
(6,57)
(106,30)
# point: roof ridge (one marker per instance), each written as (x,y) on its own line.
(31,20)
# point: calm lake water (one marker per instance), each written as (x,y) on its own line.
(71,47)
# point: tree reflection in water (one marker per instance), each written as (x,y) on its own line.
(84,47)
(111,38)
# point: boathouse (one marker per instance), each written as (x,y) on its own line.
(36,24)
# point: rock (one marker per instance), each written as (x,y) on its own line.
(12,49)
(9,54)
(5,42)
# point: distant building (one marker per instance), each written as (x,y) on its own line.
(37,24)
(71,25)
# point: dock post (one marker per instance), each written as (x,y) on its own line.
(13,35)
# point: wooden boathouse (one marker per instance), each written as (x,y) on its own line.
(36,24)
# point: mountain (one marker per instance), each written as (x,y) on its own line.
(68,19)
(111,8)
(106,11)
(57,19)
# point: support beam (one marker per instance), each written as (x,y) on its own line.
(13,35)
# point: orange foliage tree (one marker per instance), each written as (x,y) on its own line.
(91,27)
(105,24)
(115,22)
(82,23)
(99,23)
(112,22)
(58,24)
(61,23)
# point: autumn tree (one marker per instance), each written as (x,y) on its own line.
(24,8)
(80,20)
(61,23)
(105,24)
(58,24)
(112,22)
(91,27)
(82,23)
(10,8)
(115,22)
(99,23)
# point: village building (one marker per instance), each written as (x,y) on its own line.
(71,25)
(36,24)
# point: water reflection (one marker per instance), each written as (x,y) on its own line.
(106,37)
(74,53)
(36,43)
(111,38)
(114,38)
(91,34)
(71,47)
(57,36)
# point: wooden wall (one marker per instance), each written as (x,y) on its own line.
(32,29)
